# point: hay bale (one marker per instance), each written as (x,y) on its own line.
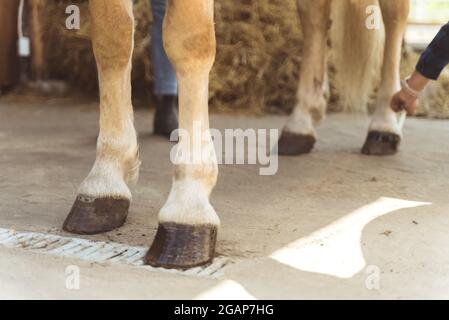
(256,69)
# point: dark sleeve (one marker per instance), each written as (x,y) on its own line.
(436,56)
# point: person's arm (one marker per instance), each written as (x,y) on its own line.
(429,67)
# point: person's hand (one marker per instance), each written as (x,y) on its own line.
(404,101)
(412,87)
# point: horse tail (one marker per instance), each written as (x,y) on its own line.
(356,54)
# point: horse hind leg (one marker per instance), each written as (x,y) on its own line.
(299,134)
(104,196)
(385,130)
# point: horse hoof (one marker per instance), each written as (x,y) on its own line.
(292,144)
(182,246)
(381,143)
(91,215)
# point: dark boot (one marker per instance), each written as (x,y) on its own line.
(166,117)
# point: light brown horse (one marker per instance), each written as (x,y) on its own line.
(188,224)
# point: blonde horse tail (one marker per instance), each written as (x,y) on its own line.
(356,53)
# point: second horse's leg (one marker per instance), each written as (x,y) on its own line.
(299,134)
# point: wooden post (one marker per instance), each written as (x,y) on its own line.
(38,65)
(9,62)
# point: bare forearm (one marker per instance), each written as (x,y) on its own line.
(417,81)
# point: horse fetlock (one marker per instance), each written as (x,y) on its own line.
(106,179)
(386,120)
(205,172)
(131,168)
(318,110)
(314,105)
(301,122)
(121,156)
(188,203)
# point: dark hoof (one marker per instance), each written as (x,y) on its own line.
(291,144)
(381,143)
(181,246)
(91,216)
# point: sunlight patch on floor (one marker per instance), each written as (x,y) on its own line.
(226,290)
(336,249)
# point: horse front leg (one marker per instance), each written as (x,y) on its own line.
(188,224)
(104,196)
(299,135)
(385,130)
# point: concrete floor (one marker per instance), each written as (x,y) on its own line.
(332,224)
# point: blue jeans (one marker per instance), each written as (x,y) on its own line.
(164,76)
